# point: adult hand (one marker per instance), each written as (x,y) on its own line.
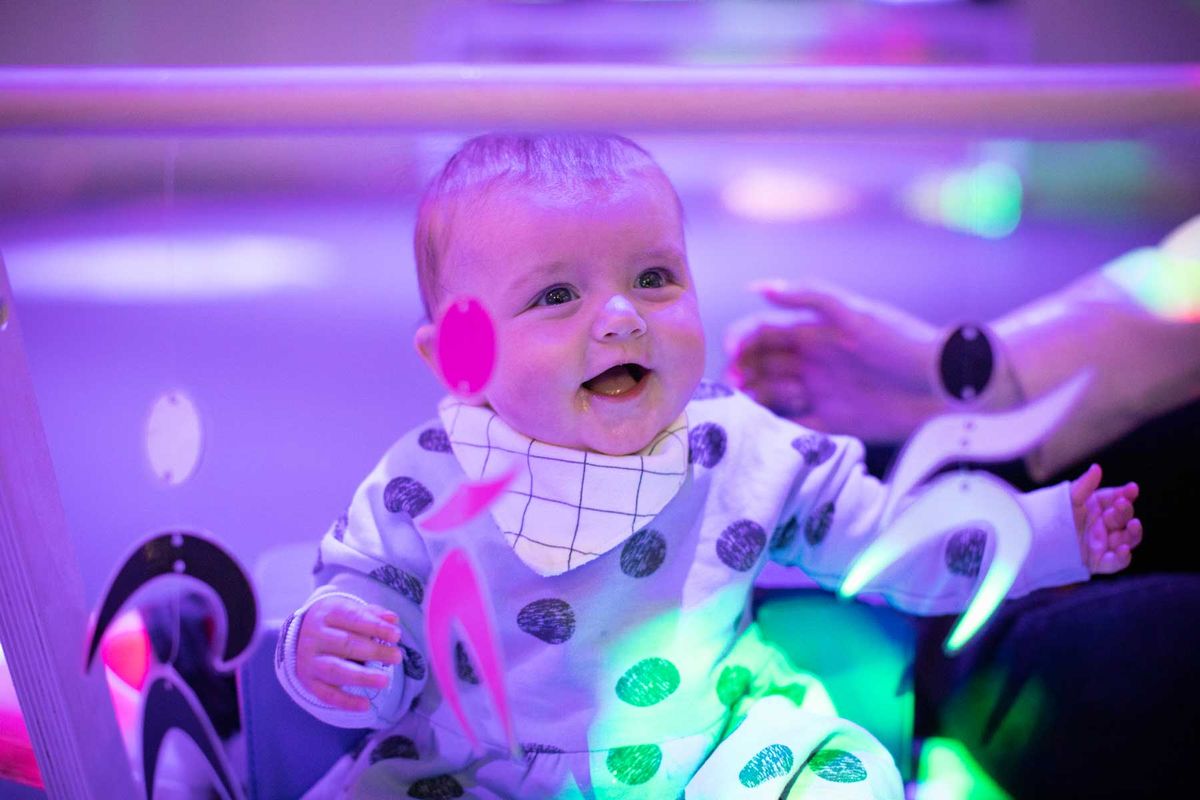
(843,364)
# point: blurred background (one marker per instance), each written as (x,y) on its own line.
(266,280)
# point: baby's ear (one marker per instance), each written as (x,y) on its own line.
(425,340)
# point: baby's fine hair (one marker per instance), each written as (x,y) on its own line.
(567,163)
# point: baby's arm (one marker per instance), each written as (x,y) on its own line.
(338,637)
(352,654)
(833,515)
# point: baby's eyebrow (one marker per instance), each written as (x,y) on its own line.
(662,253)
(536,276)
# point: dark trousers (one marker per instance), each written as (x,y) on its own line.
(1085,691)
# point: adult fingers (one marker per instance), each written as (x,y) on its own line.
(826,302)
(787,398)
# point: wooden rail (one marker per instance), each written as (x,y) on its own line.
(1032,101)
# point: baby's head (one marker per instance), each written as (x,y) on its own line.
(574,245)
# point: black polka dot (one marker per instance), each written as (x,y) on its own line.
(414,663)
(407,585)
(773,761)
(643,553)
(817,526)
(532,750)
(634,765)
(339,527)
(405,495)
(741,544)
(964,551)
(647,682)
(706,444)
(838,766)
(462,665)
(733,684)
(439,787)
(550,619)
(815,448)
(785,534)
(711,390)
(434,440)
(394,747)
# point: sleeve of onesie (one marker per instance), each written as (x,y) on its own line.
(373,554)
(833,513)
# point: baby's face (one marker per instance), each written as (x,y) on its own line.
(599,339)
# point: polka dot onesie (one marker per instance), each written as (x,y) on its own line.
(639,674)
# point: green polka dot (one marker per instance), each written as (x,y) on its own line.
(647,682)
(838,766)
(793,691)
(634,765)
(733,684)
(773,761)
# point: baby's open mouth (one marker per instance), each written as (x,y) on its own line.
(617,380)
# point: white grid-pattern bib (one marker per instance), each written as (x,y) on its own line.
(566,507)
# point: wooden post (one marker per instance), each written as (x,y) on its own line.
(43,616)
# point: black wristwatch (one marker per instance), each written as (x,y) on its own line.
(967,361)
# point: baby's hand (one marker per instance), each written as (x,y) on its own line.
(1104,522)
(337,637)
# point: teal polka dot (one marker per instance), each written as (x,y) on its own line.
(647,682)
(733,684)
(773,761)
(838,766)
(634,765)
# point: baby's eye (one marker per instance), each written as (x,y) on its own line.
(653,279)
(556,296)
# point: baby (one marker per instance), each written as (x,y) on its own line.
(621,560)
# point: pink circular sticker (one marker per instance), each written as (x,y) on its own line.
(466,347)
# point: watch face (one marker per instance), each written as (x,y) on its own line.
(966,364)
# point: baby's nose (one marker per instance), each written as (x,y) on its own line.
(618,320)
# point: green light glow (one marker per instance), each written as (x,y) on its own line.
(949,502)
(1165,284)
(948,771)
(985,200)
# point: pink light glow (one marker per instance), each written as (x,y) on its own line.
(456,595)
(469,500)
(466,347)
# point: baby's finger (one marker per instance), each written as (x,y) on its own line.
(1117,515)
(339,672)
(1083,486)
(1133,532)
(1108,564)
(337,697)
(369,621)
(353,647)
